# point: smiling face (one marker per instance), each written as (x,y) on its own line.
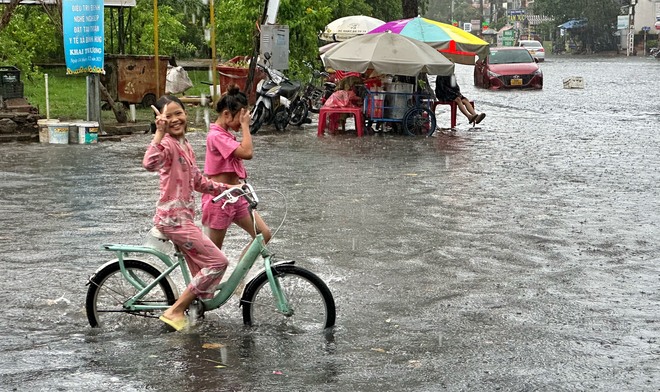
(177,119)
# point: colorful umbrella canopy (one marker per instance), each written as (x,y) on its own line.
(456,44)
(348,27)
(387,53)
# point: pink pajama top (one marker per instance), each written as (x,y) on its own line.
(179,177)
(220,147)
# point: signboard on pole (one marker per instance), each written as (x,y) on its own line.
(508,37)
(82,22)
(622,22)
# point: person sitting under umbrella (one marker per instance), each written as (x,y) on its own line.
(447,90)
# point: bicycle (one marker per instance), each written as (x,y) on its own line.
(128,288)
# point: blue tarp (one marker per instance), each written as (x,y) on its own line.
(573,24)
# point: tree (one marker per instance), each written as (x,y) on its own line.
(7,12)
(463,11)
(385,9)
(28,37)
(600,15)
(410,8)
(237,20)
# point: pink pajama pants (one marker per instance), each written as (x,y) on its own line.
(207,263)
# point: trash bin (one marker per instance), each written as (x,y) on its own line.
(10,82)
(132,79)
(235,71)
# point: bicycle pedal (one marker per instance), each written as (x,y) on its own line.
(196,310)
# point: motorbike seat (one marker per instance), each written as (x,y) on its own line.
(289,88)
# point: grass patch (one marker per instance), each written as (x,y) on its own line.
(68,95)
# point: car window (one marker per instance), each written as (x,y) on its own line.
(531,44)
(509,57)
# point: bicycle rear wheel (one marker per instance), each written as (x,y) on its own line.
(108,291)
(311,302)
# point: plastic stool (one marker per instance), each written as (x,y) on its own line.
(330,113)
(453,109)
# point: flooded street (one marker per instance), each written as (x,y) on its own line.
(521,256)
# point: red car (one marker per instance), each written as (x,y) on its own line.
(508,67)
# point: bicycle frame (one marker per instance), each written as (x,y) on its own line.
(224,290)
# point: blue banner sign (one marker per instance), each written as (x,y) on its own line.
(82,21)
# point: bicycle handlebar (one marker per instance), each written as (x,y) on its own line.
(232,195)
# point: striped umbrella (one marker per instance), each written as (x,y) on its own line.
(456,44)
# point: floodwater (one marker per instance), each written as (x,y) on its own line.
(520,256)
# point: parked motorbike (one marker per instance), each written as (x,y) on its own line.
(316,96)
(328,88)
(655,52)
(278,101)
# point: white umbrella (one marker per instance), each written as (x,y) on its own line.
(387,53)
(348,27)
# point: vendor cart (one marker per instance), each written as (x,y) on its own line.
(402,108)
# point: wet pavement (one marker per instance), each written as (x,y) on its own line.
(519,256)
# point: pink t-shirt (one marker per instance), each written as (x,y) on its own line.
(220,147)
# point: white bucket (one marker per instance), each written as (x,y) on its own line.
(73,132)
(43,129)
(58,133)
(88,132)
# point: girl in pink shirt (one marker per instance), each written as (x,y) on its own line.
(224,163)
(172,157)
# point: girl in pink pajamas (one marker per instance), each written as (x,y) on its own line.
(224,163)
(172,157)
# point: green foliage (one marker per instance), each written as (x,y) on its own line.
(357,7)
(442,11)
(386,10)
(600,14)
(237,20)
(141,31)
(29,38)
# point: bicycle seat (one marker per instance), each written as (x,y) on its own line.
(154,232)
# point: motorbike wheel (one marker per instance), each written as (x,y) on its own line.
(316,101)
(298,112)
(281,118)
(257,117)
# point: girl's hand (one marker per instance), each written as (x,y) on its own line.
(162,123)
(245,119)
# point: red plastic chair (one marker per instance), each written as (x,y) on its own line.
(453,109)
(332,114)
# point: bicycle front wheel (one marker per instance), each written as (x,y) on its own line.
(108,292)
(311,302)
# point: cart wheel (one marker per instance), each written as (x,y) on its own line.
(419,122)
(148,100)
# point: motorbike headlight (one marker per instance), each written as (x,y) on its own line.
(273,92)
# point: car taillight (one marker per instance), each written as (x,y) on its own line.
(540,50)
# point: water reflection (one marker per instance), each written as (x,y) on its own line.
(517,256)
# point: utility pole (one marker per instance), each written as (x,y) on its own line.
(481,17)
(631,28)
